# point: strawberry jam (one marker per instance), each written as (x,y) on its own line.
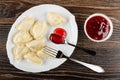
(58,36)
(60,31)
(97,27)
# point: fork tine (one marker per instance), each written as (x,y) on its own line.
(54,53)
(49,53)
(51,49)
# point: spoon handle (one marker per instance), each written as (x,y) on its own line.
(93,53)
(95,68)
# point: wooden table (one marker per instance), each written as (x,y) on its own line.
(108,52)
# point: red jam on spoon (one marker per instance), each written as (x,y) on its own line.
(60,31)
(97,27)
(58,36)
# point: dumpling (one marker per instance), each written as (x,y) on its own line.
(33,58)
(55,19)
(26,24)
(22,37)
(39,29)
(19,51)
(36,45)
(42,54)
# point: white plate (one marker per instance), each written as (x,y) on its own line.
(39,13)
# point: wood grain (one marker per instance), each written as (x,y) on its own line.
(108,53)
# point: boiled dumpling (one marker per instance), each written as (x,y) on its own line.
(26,24)
(36,45)
(30,40)
(39,29)
(21,37)
(55,19)
(33,58)
(19,51)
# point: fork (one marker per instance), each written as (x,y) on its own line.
(59,54)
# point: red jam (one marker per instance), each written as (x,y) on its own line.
(58,36)
(97,27)
(60,31)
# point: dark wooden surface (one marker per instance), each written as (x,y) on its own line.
(108,53)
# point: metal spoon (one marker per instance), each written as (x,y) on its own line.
(61,40)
